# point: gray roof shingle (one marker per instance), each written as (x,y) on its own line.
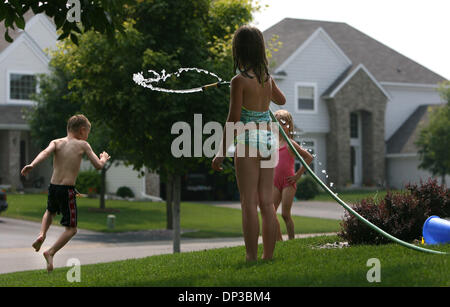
(386,64)
(403,140)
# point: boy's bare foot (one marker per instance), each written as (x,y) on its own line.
(38,243)
(49,259)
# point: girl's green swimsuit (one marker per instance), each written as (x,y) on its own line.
(261,139)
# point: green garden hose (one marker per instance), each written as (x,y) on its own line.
(343,204)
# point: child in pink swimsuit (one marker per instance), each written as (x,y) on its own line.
(285,178)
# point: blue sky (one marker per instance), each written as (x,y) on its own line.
(417,29)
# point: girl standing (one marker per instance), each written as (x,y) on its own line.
(285,178)
(251,92)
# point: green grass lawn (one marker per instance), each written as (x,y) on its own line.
(208,221)
(295,263)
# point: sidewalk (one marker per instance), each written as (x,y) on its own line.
(320,209)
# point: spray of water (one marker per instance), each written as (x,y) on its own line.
(152,82)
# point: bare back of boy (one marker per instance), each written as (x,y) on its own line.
(68,153)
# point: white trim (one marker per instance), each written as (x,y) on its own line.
(8,93)
(350,76)
(278,77)
(29,41)
(50,27)
(398,84)
(305,44)
(14,127)
(316,97)
(402,155)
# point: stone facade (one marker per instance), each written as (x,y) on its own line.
(359,94)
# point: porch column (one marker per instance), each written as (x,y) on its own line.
(14,159)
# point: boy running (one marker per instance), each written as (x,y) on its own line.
(68,152)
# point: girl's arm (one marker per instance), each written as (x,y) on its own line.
(277,95)
(305,155)
(39,158)
(234,115)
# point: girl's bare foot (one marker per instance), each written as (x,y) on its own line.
(49,259)
(38,243)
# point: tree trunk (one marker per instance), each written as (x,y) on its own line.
(176,214)
(103,188)
(169,198)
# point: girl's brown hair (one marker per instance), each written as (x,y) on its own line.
(249,52)
(285,119)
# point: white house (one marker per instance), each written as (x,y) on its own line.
(20,61)
(356,103)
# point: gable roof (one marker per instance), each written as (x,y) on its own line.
(12,33)
(402,141)
(17,32)
(386,64)
(346,76)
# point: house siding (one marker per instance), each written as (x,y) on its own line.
(403,170)
(43,33)
(319,63)
(22,59)
(404,101)
(118,176)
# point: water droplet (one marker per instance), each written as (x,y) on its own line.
(324,171)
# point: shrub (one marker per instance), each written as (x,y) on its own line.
(125,192)
(435,198)
(307,188)
(399,214)
(89,182)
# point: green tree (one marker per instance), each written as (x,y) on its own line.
(159,35)
(103,16)
(434,138)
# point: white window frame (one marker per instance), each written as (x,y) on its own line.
(8,86)
(316,98)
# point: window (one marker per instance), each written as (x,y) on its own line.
(306,97)
(21,86)
(354,125)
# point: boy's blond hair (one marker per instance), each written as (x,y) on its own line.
(76,122)
(284,115)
